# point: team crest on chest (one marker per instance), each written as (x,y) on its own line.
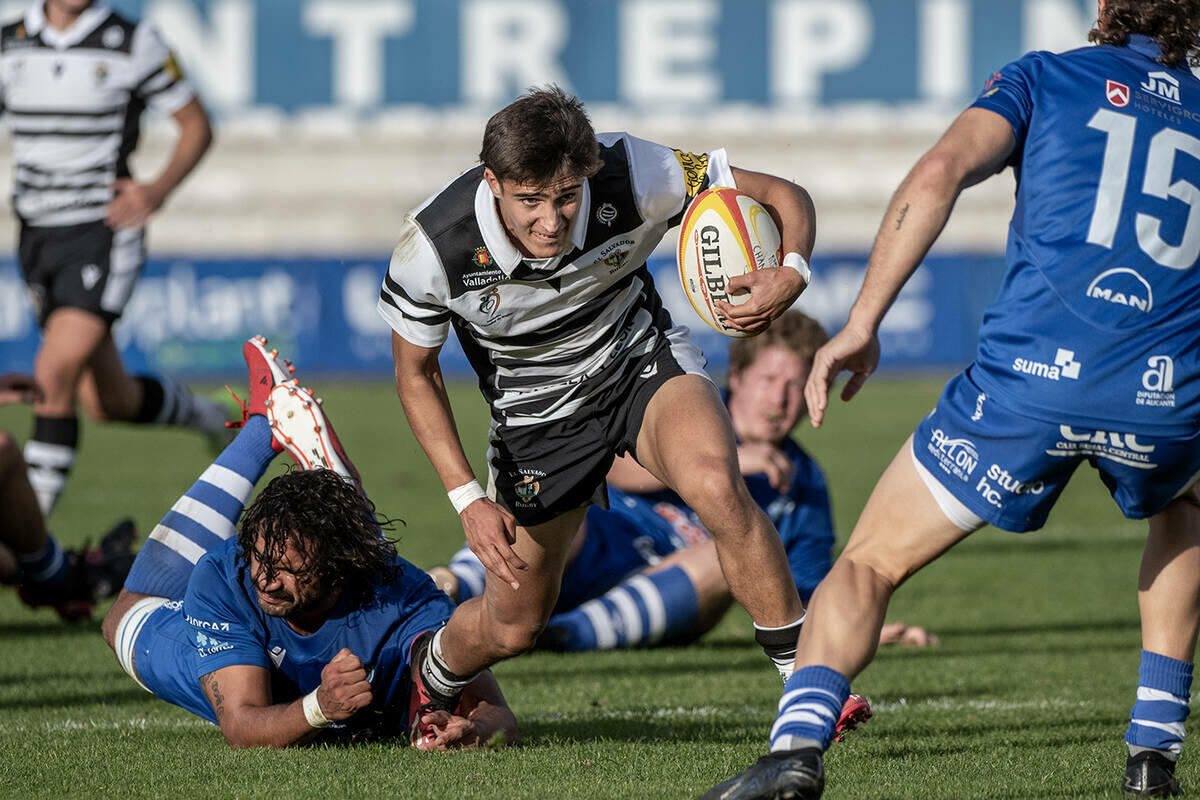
(1117,93)
(606,214)
(482,257)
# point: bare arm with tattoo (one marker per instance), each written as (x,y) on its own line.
(976,146)
(241,699)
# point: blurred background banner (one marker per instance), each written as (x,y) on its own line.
(190,316)
(334,118)
(664,55)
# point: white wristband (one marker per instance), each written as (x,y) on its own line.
(797,262)
(312,711)
(466,494)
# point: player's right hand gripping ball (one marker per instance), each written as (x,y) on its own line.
(725,233)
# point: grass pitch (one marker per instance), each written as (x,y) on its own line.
(1026,697)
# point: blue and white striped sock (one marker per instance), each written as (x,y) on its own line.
(204,517)
(470,572)
(639,610)
(809,709)
(1156,720)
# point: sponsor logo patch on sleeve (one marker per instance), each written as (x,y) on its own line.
(695,170)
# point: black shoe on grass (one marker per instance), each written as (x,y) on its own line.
(1150,774)
(786,775)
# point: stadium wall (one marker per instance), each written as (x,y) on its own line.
(190,315)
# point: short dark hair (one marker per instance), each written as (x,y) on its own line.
(542,136)
(333,527)
(1174,24)
(794,331)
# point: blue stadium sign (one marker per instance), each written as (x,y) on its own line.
(657,55)
(189,316)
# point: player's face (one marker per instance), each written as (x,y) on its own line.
(766,400)
(289,589)
(538,218)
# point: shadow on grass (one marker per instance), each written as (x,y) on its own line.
(1126,624)
(47,627)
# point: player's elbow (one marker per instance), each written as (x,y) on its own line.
(940,172)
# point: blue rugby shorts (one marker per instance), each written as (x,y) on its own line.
(1009,469)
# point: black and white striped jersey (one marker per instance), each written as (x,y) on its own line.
(73,101)
(545,335)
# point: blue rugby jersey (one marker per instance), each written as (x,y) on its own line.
(229,628)
(1098,320)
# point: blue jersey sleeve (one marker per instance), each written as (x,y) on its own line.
(1009,93)
(225,626)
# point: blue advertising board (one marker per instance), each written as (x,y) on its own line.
(189,316)
(672,56)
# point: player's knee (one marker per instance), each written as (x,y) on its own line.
(112,620)
(513,639)
(713,491)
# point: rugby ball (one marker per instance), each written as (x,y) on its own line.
(725,233)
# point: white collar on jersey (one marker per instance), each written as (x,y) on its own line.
(505,254)
(35,23)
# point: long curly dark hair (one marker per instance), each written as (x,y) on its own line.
(1175,24)
(334,529)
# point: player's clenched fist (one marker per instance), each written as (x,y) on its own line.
(344,689)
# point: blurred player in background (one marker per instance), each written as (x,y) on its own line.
(300,624)
(645,571)
(74,79)
(537,257)
(1090,354)
(70,581)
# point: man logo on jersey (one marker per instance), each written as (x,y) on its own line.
(1123,287)
(1117,93)
(1158,383)
(1164,85)
(695,170)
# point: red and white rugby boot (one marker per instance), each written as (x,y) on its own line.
(299,424)
(266,371)
(855,711)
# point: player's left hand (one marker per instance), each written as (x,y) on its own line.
(450,732)
(132,204)
(772,292)
(16,388)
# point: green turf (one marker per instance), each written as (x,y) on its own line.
(1025,698)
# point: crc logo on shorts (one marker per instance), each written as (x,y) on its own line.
(957,457)
(1122,287)
(528,488)
(1158,383)
(997,478)
(1064,366)
(1123,448)
(1117,93)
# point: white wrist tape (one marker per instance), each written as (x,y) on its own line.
(312,711)
(466,494)
(797,262)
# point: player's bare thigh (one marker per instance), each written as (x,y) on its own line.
(120,607)
(686,433)
(69,341)
(902,528)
